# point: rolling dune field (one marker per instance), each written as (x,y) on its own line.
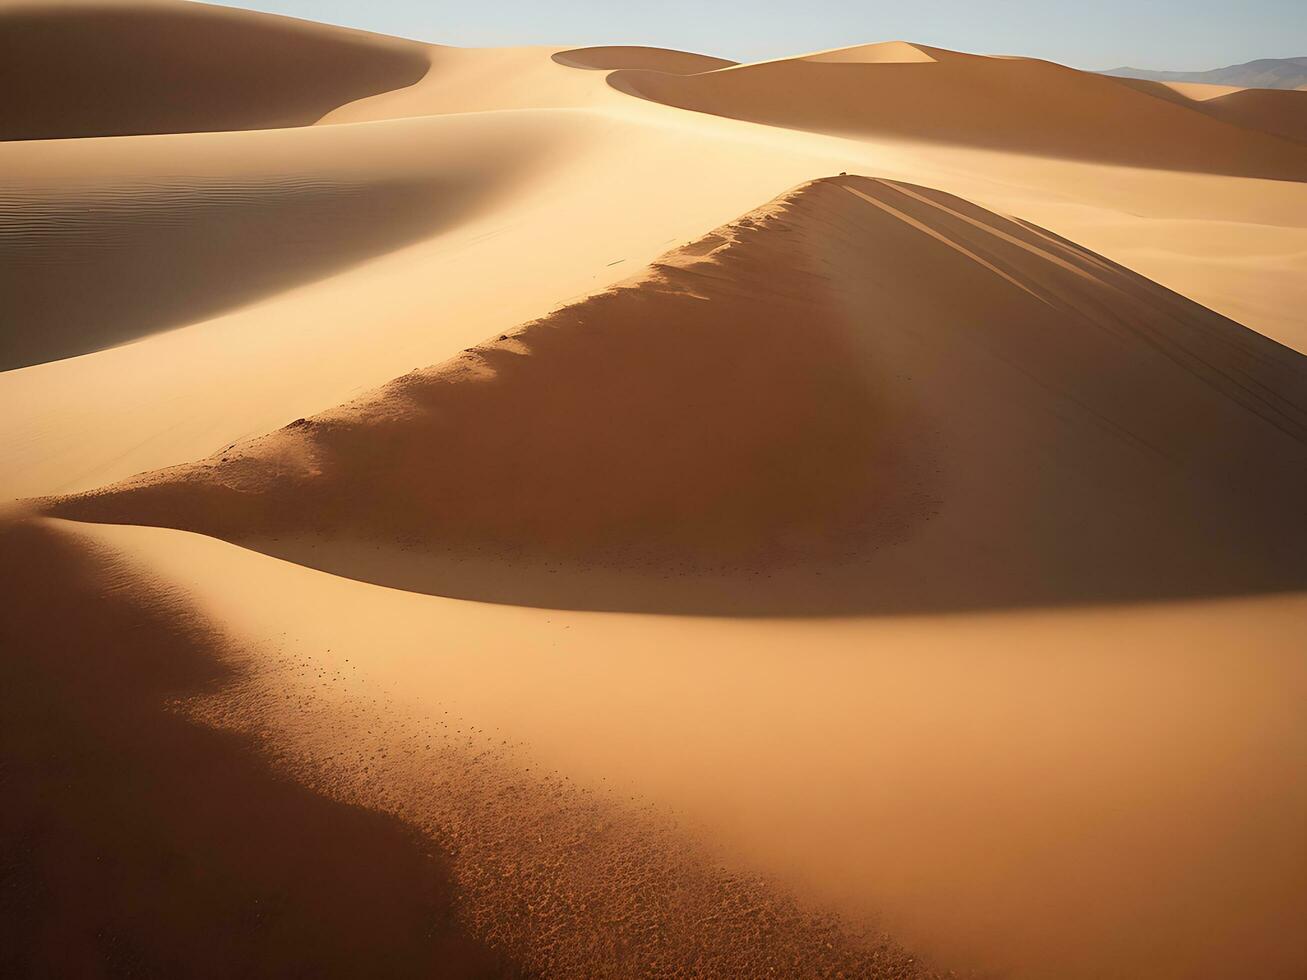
(612,511)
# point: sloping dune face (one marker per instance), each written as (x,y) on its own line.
(86,68)
(1273,110)
(643,58)
(1018,105)
(719,410)
(865,396)
(116,809)
(84,271)
(885,53)
(1277,112)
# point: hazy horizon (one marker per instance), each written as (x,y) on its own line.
(1169,35)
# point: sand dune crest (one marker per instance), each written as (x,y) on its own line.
(831,405)
(884,53)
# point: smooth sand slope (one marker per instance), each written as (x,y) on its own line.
(987,507)
(1275,111)
(1014,104)
(1105,791)
(137,843)
(103,68)
(781,417)
(150,826)
(90,268)
(1281,113)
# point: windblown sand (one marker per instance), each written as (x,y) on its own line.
(612,511)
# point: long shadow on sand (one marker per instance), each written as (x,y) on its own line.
(84,270)
(137,843)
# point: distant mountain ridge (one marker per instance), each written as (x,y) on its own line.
(1288,73)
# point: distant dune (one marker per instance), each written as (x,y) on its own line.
(1284,73)
(1281,113)
(1278,112)
(102,68)
(910,91)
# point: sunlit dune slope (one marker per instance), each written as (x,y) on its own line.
(488,79)
(107,68)
(863,396)
(1017,105)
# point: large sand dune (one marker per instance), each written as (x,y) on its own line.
(828,373)
(102,68)
(1015,104)
(881,489)
(1281,113)
(1275,111)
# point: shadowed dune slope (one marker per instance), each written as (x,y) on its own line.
(1272,110)
(87,265)
(864,396)
(1275,111)
(645,59)
(89,268)
(316,833)
(1017,105)
(134,842)
(123,67)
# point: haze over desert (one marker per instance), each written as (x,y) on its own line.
(606,510)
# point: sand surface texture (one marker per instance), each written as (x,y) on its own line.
(616,512)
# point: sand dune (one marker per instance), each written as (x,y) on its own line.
(566,878)
(84,271)
(107,241)
(1275,111)
(1073,793)
(1015,104)
(645,59)
(105,68)
(886,53)
(834,415)
(1278,112)
(138,843)
(635,174)
(987,512)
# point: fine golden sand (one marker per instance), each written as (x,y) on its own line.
(616,512)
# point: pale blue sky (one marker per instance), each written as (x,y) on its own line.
(1168,34)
